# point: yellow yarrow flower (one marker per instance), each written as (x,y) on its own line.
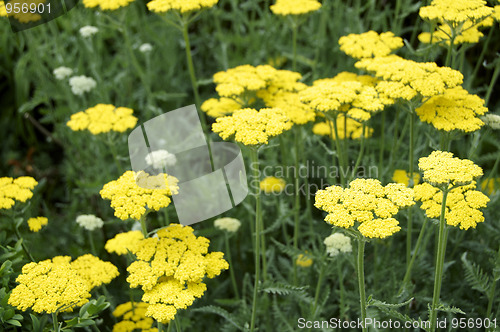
(402,176)
(220,107)
(365,204)
(35,224)
(296,111)
(469,34)
(370,44)
(353,130)
(3,11)
(134,318)
(49,286)
(106,4)
(129,200)
(12,190)
(252,127)
(303,260)
(294,7)
(181,6)
(441,169)
(454,12)
(272,184)
(462,204)
(408,79)
(94,271)
(123,242)
(103,118)
(455,109)
(170,270)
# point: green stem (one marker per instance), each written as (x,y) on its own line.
(55,322)
(294,46)
(450,49)
(410,182)
(361,279)
(160,327)
(144,228)
(381,142)
(341,287)
(318,286)
(339,151)
(491,294)
(231,268)
(23,245)
(258,216)
(438,277)
(296,208)
(177,325)
(481,56)
(407,276)
(91,241)
(192,75)
(492,82)
(361,151)
(112,148)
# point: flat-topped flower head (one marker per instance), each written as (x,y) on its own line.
(12,190)
(103,118)
(296,111)
(441,169)
(455,109)
(243,79)
(463,204)
(106,4)
(252,127)
(227,224)
(89,221)
(36,224)
(133,318)
(133,193)
(367,205)
(272,185)
(181,6)
(370,44)
(49,286)
(408,79)
(329,96)
(170,270)
(123,243)
(217,107)
(456,12)
(337,243)
(467,34)
(94,271)
(294,7)
(354,129)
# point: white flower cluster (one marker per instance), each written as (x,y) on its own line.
(62,72)
(81,84)
(160,158)
(89,221)
(88,31)
(227,224)
(145,48)
(337,243)
(492,120)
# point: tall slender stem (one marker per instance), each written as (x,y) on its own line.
(318,286)
(341,288)
(294,45)
(55,322)
(438,277)
(143,225)
(177,325)
(406,278)
(231,268)
(23,245)
(410,182)
(361,279)
(192,75)
(494,78)
(491,294)
(339,151)
(481,56)
(296,208)
(258,216)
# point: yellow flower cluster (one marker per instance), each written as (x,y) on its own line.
(353,130)
(3,11)
(469,33)
(455,109)
(35,224)
(106,4)
(58,284)
(94,271)
(402,176)
(455,12)
(252,127)
(220,107)
(12,190)
(370,44)
(296,111)
(170,270)
(303,260)
(131,193)
(367,203)
(182,6)
(442,169)
(294,7)
(272,184)
(123,242)
(103,118)
(134,318)
(408,79)
(462,204)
